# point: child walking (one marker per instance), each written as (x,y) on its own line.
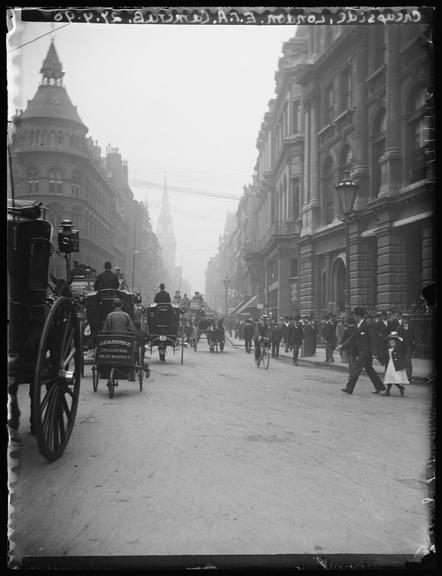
(395,372)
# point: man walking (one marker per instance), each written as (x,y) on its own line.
(406,332)
(361,345)
(276,339)
(296,336)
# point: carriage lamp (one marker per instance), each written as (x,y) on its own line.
(347,191)
(68,238)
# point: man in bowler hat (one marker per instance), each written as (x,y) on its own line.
(360,344)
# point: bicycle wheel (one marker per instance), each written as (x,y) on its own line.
(95,377)
(265,358)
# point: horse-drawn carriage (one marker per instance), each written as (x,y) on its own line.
(44,338)
(163,328)
(116,356)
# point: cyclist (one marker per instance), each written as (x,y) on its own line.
(262,330)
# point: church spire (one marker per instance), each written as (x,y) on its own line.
(165,233)
(51,69)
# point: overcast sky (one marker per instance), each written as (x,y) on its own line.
(186,100)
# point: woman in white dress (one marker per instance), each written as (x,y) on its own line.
(395,372)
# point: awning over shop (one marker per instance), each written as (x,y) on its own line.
(251,303)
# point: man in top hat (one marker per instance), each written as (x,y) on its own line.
(359,344)
(162,297)
(107,279)
(329,335)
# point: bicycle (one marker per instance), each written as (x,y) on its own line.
(264,356)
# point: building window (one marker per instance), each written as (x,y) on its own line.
(55,182)
(33,181)
(346,89)
(328,108)
(417,131)
(378,149)
(295,198)
(296,108)
(76,178)
(293,267)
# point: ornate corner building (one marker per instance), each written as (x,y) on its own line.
(348,99)
(55,163)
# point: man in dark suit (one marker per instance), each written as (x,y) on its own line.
(360,345)
(296,336)
(329,335)
(407,333)
(107,279)
(162,297)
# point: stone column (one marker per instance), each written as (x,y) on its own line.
(307,278)
(427,254)
(314,162)
(391,161)
(359,95)
(391,266)
(284,295)
(363,267)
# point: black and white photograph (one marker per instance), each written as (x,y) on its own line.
(222,289)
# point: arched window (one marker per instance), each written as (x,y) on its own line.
(328,191)
(378,149)
(33,182)
(416,132)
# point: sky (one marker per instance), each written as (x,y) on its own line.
(183,100)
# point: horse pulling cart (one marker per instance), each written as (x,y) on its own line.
(44,339)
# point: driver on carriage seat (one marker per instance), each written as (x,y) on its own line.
(107,279)
(162,297)
(118,320)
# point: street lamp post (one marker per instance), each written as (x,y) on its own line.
(226,285)
(347,191)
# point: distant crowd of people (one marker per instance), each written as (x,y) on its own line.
(387,336)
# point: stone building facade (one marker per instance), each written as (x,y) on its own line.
(349,100)
(56,163)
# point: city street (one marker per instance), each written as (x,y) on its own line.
(216,456)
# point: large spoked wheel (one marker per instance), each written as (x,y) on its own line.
(57,379)
(112,382)
(95,378)
(265,357)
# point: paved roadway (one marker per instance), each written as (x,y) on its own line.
(216,456)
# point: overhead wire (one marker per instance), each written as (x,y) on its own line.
(38,37)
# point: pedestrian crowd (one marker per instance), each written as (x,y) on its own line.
(359,338)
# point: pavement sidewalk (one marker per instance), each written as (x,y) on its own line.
(422,368)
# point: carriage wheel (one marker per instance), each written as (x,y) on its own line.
(57,380)
(95,378)
(140,366)
(265,357)
(112,382)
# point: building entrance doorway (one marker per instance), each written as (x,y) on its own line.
(338,284)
